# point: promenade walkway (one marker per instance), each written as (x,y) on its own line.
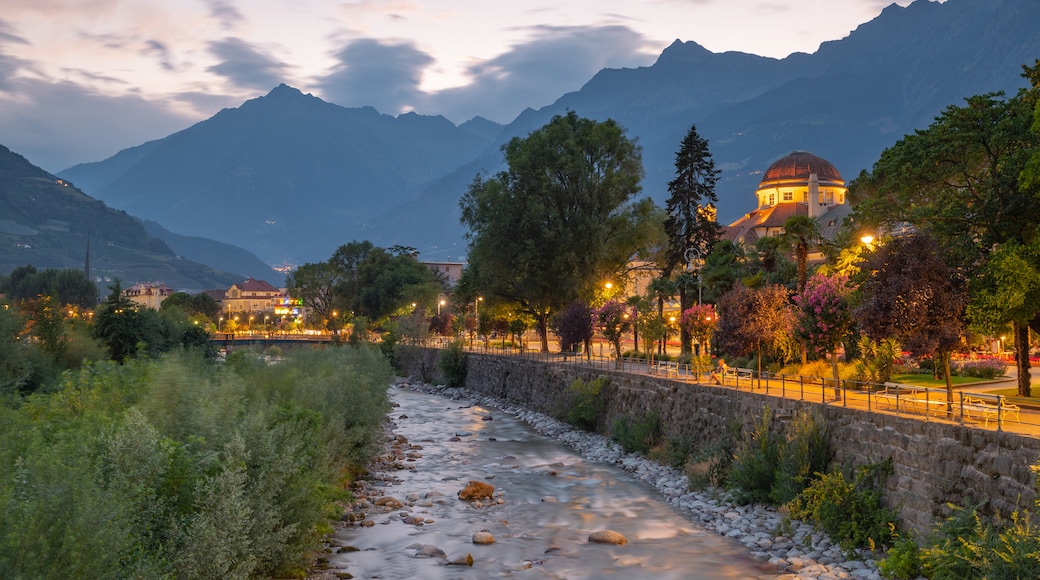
(972,405)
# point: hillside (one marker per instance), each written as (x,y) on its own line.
(46,222)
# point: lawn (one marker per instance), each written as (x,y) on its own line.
(927,380)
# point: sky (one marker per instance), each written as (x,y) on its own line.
(82,79)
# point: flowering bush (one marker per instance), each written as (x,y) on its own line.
(983,369)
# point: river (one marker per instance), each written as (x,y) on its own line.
(551,499)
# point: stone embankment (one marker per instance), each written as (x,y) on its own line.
(795,548)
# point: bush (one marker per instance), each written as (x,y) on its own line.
(709,465)
(638,435)
(850,512)
(804,453)
(453,364)
(903,561)
(140,470)
(984,369)
(754,467)
(769,468)
(584,403)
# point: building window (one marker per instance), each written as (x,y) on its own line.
(788,195)
(772,199)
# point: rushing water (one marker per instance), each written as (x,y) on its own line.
(553,500)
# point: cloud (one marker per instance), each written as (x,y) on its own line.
(246,66)
(382,74)
(56,125)
(535,73)
(226,13)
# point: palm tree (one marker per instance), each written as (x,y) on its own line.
(800,235)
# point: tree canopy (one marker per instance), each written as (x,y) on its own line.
(559,220)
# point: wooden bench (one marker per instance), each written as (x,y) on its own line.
(986,410)
(897,397)
(666,368)
(737,373)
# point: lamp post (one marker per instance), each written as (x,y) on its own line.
(439,304)
(220,323)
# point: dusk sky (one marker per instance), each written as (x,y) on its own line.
(82,79)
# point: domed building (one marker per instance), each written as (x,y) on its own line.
(799,183)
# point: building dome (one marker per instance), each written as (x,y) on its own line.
(796,168)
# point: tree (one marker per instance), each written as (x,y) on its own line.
(824,317)
(750,318)
(699,322)
(913,296)
(691,225)
(613,317)
(543,233)
(800,235)
(314,284)
(574,326)
(1009,290)
(961,181)
(726,264)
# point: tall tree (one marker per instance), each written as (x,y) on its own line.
(691,224)
(824,317)
(960,180)
(750,319)
(544,232)
(613,317)
(314,283)
(799,237)
(911,295)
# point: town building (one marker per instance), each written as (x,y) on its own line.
(252,295)
(451,271)
(148,294)
(798,184)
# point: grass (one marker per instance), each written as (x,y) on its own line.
(927,380)
(1012,396)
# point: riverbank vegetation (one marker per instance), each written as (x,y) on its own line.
(183,468)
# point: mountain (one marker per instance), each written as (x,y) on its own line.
(216,254)
(846,102)
(47,223)
(286,175)
(289,176)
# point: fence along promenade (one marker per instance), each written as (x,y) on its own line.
(971,408)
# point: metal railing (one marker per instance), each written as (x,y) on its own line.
(926,403)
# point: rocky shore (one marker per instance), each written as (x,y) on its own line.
(802,553)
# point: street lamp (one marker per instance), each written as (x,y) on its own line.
(220,322)
(439,304)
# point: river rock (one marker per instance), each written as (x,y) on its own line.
(429,551)
(483,537)
(389,502)
(466,560)
(477,490)
(607,537)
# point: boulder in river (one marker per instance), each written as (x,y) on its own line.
(477,490)
(607,537)
(483,537)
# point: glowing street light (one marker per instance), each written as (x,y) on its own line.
(439,304)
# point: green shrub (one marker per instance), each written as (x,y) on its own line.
(754,466)
(903,561)
(710,464)
(850,512)
(638,435)
(802,454)
(585,403)
(139,470)
(453,364)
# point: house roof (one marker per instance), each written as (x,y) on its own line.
(254,285)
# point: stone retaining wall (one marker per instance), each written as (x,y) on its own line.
(935,463)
